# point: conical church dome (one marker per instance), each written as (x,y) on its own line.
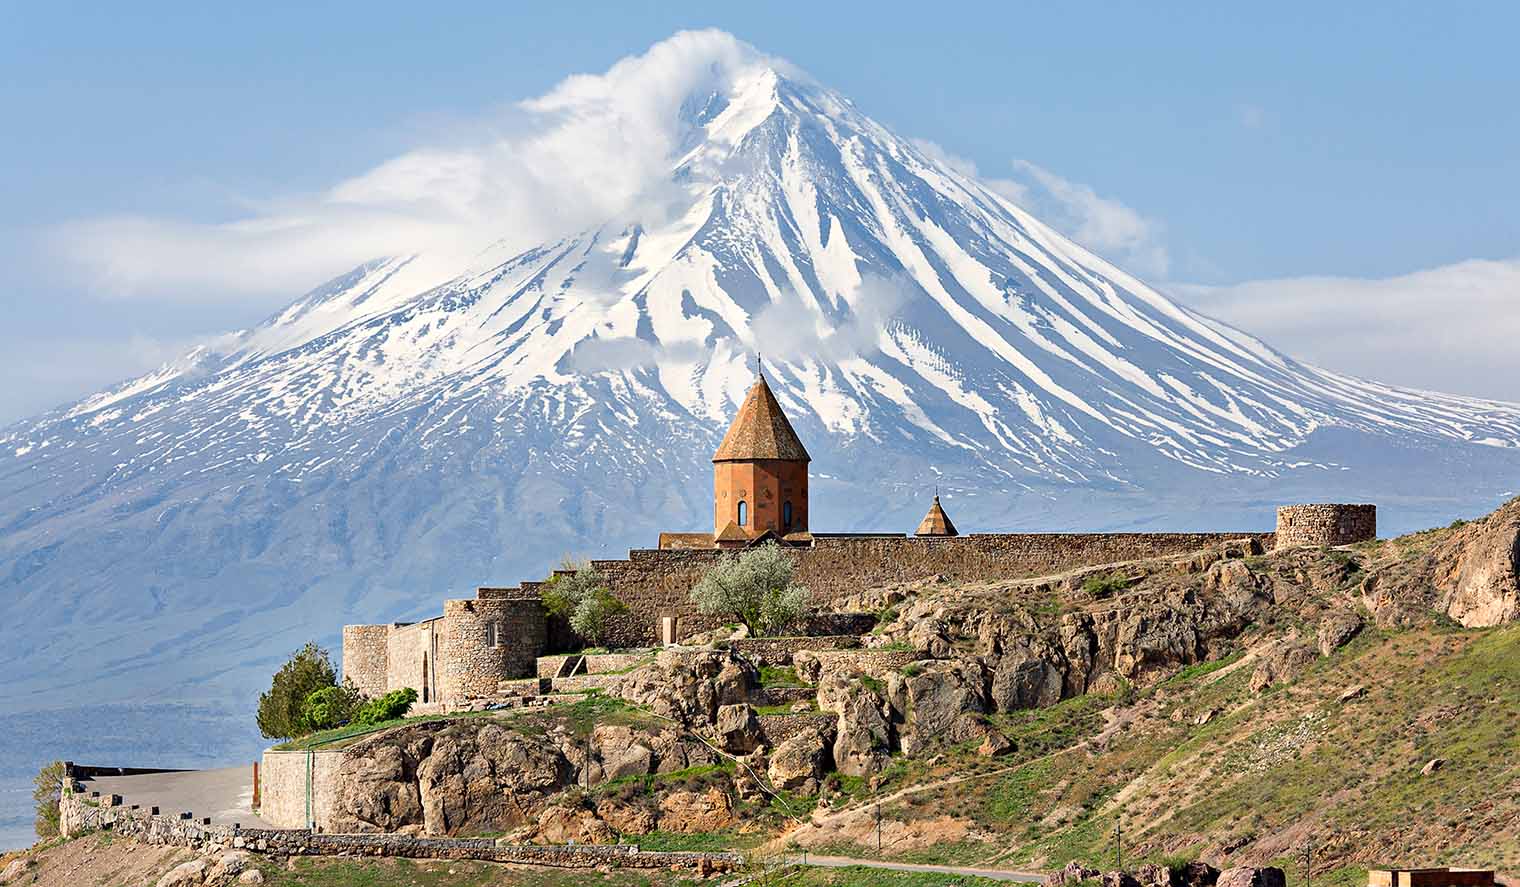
(936,522)
(761,431)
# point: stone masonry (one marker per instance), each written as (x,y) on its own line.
(1325,524)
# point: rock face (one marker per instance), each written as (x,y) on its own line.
(472,776)
(800,761)
(1478,570)
(737,728)
(942,701)
(689,686)
(864,733)
(16,869)
(693,812)
(1245,876)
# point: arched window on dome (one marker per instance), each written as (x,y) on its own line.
(743,513)
(786,515)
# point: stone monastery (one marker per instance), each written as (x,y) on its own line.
(480,645)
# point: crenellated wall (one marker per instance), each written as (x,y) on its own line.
(1327,524)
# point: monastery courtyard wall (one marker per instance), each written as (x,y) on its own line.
(657,583)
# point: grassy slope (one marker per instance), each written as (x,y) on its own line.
(1266,771)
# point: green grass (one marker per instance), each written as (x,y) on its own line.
(779,676)
(451,873)
(1100,587)
(580,717)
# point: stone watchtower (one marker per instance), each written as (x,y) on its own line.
(760,473)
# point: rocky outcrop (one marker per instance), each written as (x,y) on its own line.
(941,701)
(800,761)
(1336,630)
(1477,570)
(737,728)
(1283,661)
(863,736)
(689,686)
(1246,876)
(693,812)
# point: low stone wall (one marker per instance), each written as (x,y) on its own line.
(782,695)
(874,663)
(779,651)
(299,788)
(1325,524)
(78,817)
(779,728)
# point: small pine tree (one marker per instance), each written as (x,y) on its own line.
(282,709)
(47,793)
(754,587)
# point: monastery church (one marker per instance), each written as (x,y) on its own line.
(482,647)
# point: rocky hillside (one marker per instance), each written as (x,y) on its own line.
(1228,705)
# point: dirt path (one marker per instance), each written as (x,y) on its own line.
(837,862)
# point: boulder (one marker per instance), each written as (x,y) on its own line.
(863,733)
(1336,630)
(1282,662)
(1351,693)
(16,869)
(995,745)
(377,790)
(229,866)
(185,874)
(929,638)
(1074,873)
(621,752)
(1024,678)
(692,812)
(689,686)
(1432,766)
(1119,879)
(1247,876)
(942,701)
(799,760)
(737,728)
(626,818)
(560,824)
(251,877)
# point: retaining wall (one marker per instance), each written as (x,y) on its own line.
(79,817)
(299,788)
(779,651)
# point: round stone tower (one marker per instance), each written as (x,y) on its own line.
(1327,524)
(760,473)
(485,642)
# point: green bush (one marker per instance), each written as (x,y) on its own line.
(582,599)
(389,707)
(1105,586)
(47,793)
(282,710)
(593,612)
(330,707)
(756,588)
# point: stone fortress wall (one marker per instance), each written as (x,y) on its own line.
(1325,524)
(498,635)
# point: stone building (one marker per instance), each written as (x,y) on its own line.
(760,495)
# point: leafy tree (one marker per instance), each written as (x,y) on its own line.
(282,709)
(754,587)
(583,599)
(389,707)
(330,707)
(47,794)
(593,612)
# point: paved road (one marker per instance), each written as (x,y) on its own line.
(224,795)
(836,862)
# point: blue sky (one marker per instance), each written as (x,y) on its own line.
(1295,169)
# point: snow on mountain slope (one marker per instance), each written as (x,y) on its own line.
(412,428)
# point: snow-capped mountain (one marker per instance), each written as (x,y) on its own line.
(407,431)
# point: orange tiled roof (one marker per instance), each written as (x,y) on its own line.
(761,431)
(936,522)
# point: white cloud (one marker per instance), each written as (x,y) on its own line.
(1450,328)
(588,151)
(858,334)
(1099,223)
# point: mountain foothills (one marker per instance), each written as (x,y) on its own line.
(413,428)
